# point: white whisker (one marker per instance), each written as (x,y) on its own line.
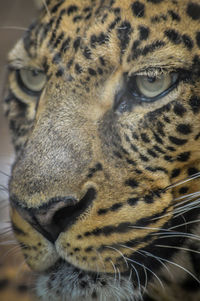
(133,261)
(182,268)
(178,248)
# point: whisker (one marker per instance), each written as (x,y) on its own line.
(148,228)
(178,248)
(138,278)
(179,235)
(182,268)
(114,268)
(159,280)
(184,224)
(160,261)
(189,197)
(185,180)
(46,8)
(14,27)
(121,254)
(4,173)
(181,212)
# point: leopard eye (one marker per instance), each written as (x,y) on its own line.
(154,86)
(32,81)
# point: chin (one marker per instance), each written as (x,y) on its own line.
(65,282)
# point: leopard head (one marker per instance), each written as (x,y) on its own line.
(104,108)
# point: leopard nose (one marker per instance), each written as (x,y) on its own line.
(57,215)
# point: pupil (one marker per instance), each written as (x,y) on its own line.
(34,73)
(151,79)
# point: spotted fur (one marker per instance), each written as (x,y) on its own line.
(104,191)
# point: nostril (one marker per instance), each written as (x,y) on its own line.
(58,215)
(66,216)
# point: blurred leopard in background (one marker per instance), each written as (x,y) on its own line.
(103,104)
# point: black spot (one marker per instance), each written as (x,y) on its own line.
(132,201)
(192,171)
(78,68)
(168,158)
(158,19)
(173,36)
(58,40)
(65,45)
(87,53)
(100,71)
(152,47)
(183,157)
(158,149)
(123,34)
(198,38)
(144,32)
(60,72)
(160,127)
(157,138)
(177,141)
(56,7)
(144,158)
(136,44)
(184,129)
(138,9)
(56,58)
(100,39)
(179,110)
(197,136)
(102,61)
(145,138)
(132,183)
(195,104)
(152,153)
(117,10)
(135,136)
(116,206)
(77,43)
(69,64)
(183,190)
(89,249)
(148,199)
(92,72)
(71,9)
(102,211)
(113,24)
(92,171)
(175,16)
(187,41)
(193,10)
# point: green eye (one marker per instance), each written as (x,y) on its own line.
(152,87)
(32,81)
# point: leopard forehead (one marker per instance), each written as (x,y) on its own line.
(89,40)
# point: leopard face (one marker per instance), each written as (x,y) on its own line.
(104,108)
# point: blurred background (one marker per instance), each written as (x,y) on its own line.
(15,17)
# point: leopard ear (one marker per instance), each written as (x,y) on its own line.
(39,3)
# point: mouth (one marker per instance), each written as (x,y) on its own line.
(65,282)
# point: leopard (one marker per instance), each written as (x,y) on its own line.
(103,105)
